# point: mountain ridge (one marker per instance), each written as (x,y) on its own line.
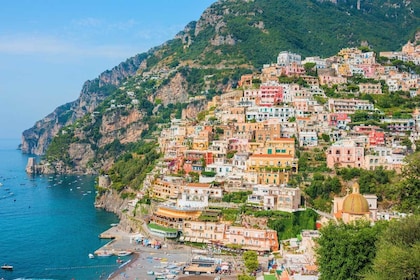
(208,57)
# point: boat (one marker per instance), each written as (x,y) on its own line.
(91,256)
(7,267)
(123,253)
(104,254)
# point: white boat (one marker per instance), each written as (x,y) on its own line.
(91,256)
(104,254)
(123,253)
(7,267)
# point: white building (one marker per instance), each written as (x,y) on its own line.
(286,58)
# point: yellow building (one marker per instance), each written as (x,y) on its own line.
(355,206)
(174,217)
(344,70)
(280,146)
(166,189)
(260,162)
(277,177)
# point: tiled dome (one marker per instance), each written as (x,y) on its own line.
(355,203)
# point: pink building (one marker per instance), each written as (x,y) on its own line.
(271,93)
(345,153)
(339,120)
(294,69)
(375,134)
(301,104)
(331,80)
(369,70)
(253,239)
(268,94)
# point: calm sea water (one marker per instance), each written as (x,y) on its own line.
(48,224)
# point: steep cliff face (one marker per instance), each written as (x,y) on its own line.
(126,128)
(36,139)
(131,218)
(175,91)
(193,109)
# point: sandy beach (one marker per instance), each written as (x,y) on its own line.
(145,259)
(148,260)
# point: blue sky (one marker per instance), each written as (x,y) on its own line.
(49,48)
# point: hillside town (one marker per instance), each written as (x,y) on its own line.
(248,142)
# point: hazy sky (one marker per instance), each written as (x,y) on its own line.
(49,48)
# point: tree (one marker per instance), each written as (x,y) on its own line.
(250,261)
(346,250)
(310,68)
(398,251)
(407,191)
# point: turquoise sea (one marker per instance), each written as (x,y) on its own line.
(48,224)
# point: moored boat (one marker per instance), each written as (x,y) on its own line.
(104,253)
(7,267)
(123,253)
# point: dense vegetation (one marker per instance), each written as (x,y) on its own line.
(288,225)
(398,251)
(130,171)
(361,251)
(346,250)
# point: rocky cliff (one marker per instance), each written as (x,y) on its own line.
(131,215)
(35,140)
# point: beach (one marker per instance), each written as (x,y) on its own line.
(146,259)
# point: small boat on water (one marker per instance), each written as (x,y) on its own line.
(7,267)
(104,254)
(91,256)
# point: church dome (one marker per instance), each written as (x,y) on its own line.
(355,203)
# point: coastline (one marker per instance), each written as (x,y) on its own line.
(122,268)
(148,263)
(143,258)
